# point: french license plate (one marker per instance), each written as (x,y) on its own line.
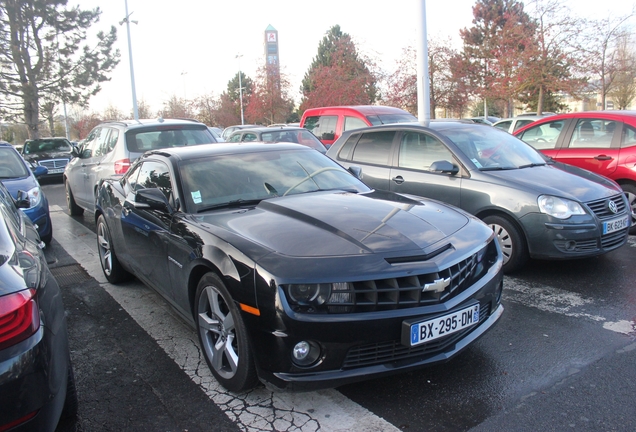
(616,224)
(55,170)
(429,330)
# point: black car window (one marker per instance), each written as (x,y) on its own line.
(504,125)
(419,151)
(235,138)
(92,147)
(374,148)
(155,175)
(543,136)
(167,136)
(130,181)
(593,133)
(324,127)
(629,136)
(11,164)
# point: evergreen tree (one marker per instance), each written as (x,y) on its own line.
(41,59)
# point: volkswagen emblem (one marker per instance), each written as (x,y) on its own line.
(612,206)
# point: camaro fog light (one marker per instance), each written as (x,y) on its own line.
(305,353)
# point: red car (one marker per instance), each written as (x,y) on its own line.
(603,142)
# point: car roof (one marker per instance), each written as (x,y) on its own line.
(269,129)
(130,124)
(362,109)
(216,149)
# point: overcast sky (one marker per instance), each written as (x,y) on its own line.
(189,47)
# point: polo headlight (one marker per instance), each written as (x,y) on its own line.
(559,208)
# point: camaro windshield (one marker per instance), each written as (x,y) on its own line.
(251,177)
(493,149)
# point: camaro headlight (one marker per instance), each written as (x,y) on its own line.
(308,294)
(560,208)
(35,196)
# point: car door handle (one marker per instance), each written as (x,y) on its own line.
(603,157)
(398,179)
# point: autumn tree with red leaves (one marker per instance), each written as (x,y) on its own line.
(339,75)
(269,101)
(495,49)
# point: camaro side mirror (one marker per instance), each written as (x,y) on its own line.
(356,171)
(444,166)
(152,198)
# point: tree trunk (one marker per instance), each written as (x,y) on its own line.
(540,101)
(31,110)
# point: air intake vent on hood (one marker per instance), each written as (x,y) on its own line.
(417,258)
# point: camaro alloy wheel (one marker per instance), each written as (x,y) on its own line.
(223,335)
(110,264)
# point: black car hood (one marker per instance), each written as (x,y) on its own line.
(559,180)
(341,223)
(47,155)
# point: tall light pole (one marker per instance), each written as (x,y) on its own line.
(423,84)
(238,56)
(132,72)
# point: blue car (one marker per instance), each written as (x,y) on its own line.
(16,175)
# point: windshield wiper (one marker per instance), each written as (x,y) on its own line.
(534,164)
(496,168)
(233,203)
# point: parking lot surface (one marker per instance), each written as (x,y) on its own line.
(561,358)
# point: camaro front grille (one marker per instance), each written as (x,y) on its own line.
(54,163)
(391,351)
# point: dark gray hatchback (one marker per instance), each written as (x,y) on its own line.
(537,207)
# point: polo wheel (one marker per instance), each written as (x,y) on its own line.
(511,242)
(223,336)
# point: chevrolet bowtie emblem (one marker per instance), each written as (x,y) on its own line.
(438,285)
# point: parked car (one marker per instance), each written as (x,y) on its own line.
(37,386)
(111,147)
(489,120)
(328,123)
(17,176)
(295,272)
(217,132)
(512,124)
(270,134)
(228,130)
(537,208)
(52,153)
(603,142)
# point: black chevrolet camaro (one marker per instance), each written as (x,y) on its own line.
(292,270)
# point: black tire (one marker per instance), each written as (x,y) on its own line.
(73,208)
(49,237)
(111,266)
(71,401)
(511,242)
(630,192)
(219,320)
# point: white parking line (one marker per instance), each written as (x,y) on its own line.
(555,300)
(258,410)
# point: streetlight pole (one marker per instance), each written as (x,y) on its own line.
(238,56)
(132,72)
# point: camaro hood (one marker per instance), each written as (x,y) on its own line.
(560,180)
(341,223)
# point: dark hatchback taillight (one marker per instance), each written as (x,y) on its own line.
(19,317)
(121,166)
